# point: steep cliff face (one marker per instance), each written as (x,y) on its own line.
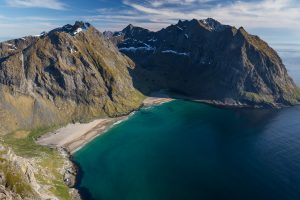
(70,73)
(206,60)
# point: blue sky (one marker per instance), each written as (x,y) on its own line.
(276,21)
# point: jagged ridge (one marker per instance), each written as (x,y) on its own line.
(206,60)
(70,73)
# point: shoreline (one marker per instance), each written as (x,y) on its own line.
(73,137)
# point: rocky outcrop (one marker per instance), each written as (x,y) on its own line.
(17,178)
(208,61)
(6,194)
(70,73)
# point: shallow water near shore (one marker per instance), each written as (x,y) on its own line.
(186,150)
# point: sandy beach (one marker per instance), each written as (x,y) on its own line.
(74,136)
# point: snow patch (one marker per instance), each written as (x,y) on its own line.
(152,40)
(179,28)
(213,25)
(41,34)
(84,27)
(147,45)
(12,46)
(118,34)
(175,52)
(77,31)
(72,50)
(8,44)
(134,49)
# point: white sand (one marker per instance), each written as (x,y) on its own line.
(74,136)
(157,98)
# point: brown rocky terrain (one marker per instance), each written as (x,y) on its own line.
(18,178)
(208,61)
(75,73)
(69,74)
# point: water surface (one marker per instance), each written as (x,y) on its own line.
(290,54)
(185,151)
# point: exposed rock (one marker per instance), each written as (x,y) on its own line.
(206,60)
(6,194)
(17,178)
(75,194)
(74,73)
(70,170)
(69,74)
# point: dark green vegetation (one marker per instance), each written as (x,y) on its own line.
(69,74)
(47,165)
(74,73)
(23,142)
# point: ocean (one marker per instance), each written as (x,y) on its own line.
(184,150)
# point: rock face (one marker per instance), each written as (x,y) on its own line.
(76,73)
(70,73)
(17,178)
(209,61)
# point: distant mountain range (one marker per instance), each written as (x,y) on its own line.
(76,73)
(206,60)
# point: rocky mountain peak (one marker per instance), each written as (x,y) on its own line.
(131,30)
(191,57)
(73,30)
(108,34)
(213,25)
(208,24)
(129,27)
(71,73)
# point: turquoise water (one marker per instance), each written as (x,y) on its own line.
(185,151)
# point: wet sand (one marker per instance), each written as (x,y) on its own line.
(74,136)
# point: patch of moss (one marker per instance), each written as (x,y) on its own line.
(26,146)
(48,160)
(60,190)
(263,46)
(15,181)
(254,97)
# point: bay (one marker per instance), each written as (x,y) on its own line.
(185,150)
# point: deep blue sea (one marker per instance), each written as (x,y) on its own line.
(190,151)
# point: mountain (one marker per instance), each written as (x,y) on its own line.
(70,73)
(208,61)
(75,73)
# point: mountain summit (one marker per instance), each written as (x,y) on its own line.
(69,73)
(78,27)
(76,73)
(208,61)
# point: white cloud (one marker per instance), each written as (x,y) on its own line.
(50,4)
(270,18)
(158,3)
(266,13)
(16,30)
